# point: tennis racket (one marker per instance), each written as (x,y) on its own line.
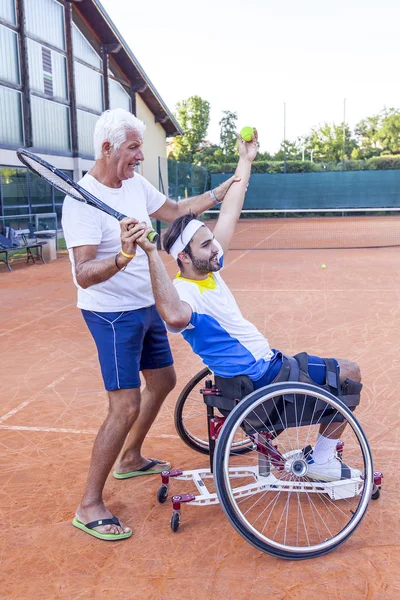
(68,186)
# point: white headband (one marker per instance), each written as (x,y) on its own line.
(182,241)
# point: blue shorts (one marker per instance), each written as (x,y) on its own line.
(128,342)
(316,370)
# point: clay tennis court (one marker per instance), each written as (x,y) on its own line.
(53,402)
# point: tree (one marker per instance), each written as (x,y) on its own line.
(326,142)
(227,135)
(206,154)
(293,150)
(367,133)
(389,133)
(193,115)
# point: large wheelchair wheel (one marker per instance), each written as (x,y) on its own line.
(191,418)
(271,495)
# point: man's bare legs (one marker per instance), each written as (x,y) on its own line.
(123,411)
(128,413)
(159,383)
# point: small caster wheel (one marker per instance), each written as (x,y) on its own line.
(162,494)
(376,494)
(175,521)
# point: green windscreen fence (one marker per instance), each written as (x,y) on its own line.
(348,209)
(338,189)
(180,180)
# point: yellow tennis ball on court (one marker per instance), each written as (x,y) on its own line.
(247,134)
(323,266)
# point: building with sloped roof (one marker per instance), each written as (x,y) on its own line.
(62,63)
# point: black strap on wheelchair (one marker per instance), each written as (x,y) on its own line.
(220,402)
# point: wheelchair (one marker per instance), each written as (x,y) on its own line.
(260,455)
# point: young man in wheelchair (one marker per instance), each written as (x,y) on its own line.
(200,306)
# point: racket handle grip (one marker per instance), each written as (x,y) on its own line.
(153,236)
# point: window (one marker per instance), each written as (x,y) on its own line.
(13,191)
(89,87)
(9,68)
(119,97)
(83,50)
(47,71)
(45,20)
(7,11)
(11,117)
(86,123)
(50,125)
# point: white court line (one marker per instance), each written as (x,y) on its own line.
(33,398)
(36,320)
(250,250)
(74,431)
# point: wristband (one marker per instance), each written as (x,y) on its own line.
(116,262)
(214,197)
(127,255)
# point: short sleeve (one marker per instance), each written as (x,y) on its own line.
(154,198)
(81,224)
(188,292)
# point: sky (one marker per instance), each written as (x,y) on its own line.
(253,56)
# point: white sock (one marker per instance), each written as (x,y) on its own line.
(324,449)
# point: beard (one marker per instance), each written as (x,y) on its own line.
(205,266)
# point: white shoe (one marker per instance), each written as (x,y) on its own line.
(333,470)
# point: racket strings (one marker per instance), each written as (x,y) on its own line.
(53,178)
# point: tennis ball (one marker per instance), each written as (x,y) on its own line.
(323,266)
(247,134)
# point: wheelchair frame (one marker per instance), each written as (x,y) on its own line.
(293,463)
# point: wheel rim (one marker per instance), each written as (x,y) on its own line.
(322,522)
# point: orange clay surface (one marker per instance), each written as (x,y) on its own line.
(53,402)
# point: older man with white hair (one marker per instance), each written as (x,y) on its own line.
(117,303)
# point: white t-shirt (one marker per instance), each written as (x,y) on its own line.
(226,342)
(84,225)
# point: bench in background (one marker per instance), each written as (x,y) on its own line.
(33,249)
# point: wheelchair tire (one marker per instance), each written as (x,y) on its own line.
(288,515)
(191,417)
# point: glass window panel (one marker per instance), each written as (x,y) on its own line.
(7,11)
(59,66)
(119,97)
(50,125)
(13,190)
(82,48)
(41,192)
(86,123)
(58,70)
(9,68)
(89,87)
(45,20)
(11,117)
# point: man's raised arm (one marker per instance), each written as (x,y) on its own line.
(233,202)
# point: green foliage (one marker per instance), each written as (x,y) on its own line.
(227,134)
(367,134)
(327,142)
(372,145)
(193,115)
(273,166)
(293,151)
(298,166)
(389,133)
